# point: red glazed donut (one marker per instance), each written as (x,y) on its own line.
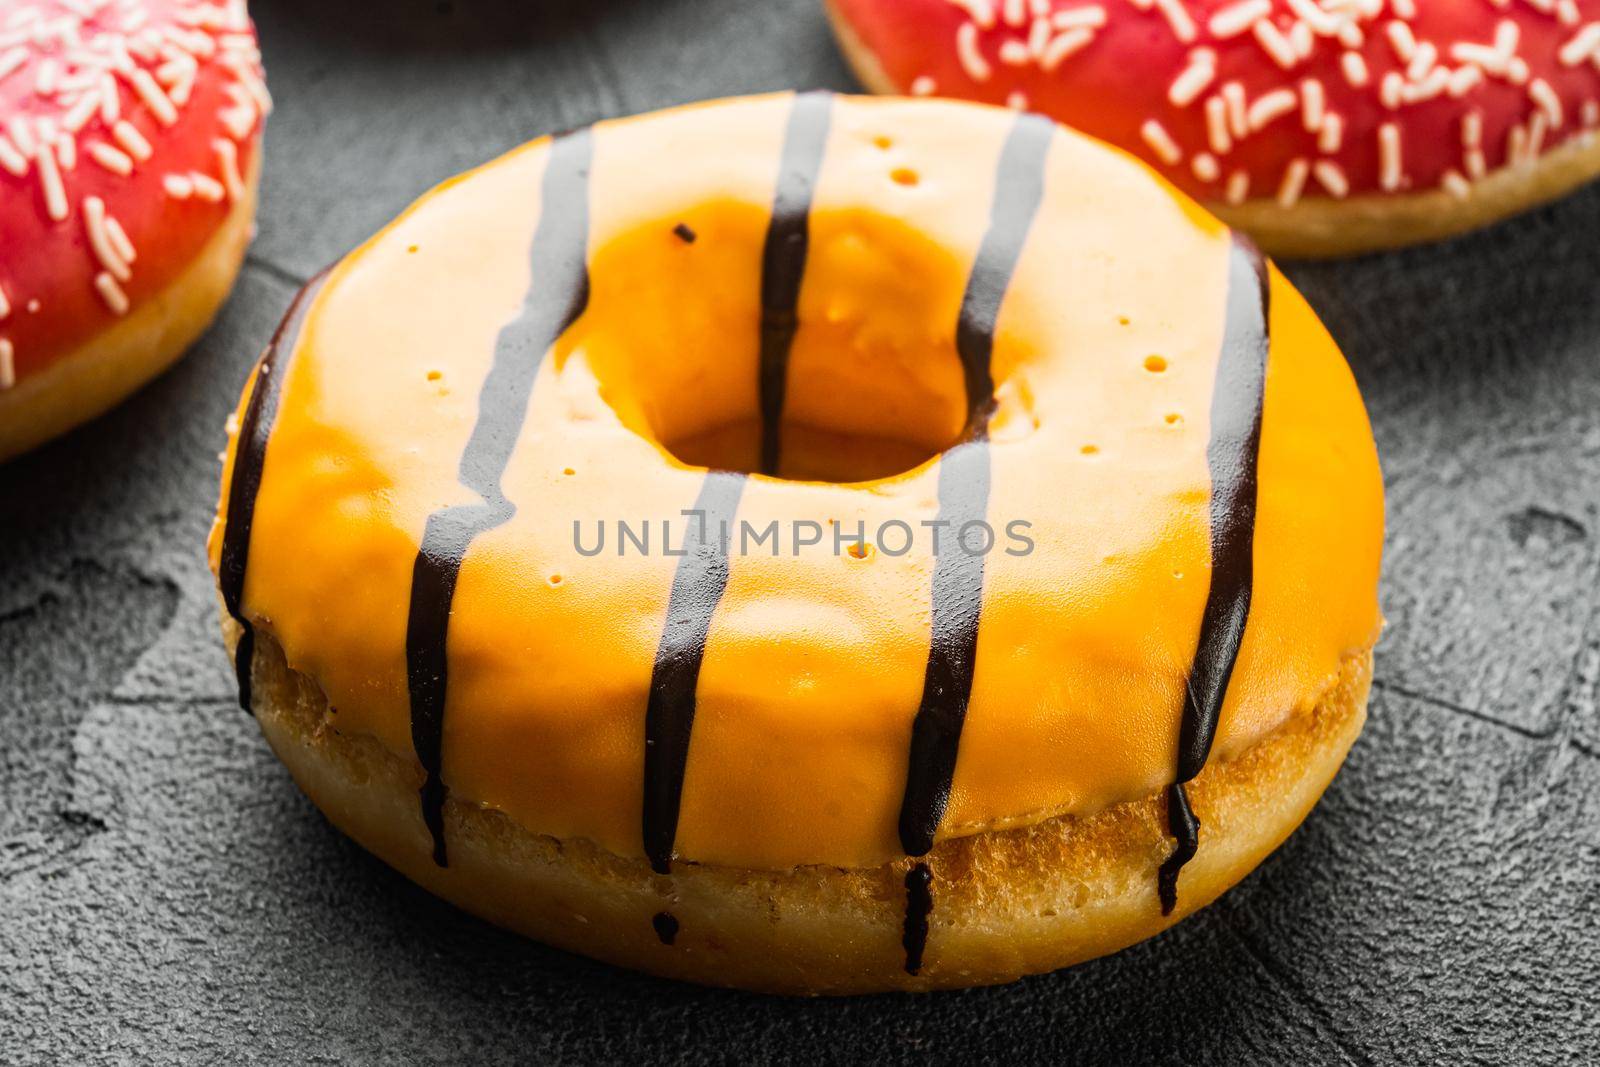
(1324,127)
(129,141)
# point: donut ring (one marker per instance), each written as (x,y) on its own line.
(129,145)
(853,764)
(1320,127)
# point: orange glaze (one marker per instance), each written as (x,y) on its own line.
(201,56)
(1365,96)
(814,663)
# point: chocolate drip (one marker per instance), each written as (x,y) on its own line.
(249,461)
(1236,408)
(919,905)
(964,490)
(783,259)
(964,498)
(557,295)
(666,925)
(697,586)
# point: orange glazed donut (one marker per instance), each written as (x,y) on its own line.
(1323,127)
(581,545)
(129,140)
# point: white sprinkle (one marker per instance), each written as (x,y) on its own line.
(5,305)
(94,223)
(55,194)
(1392,90)
(1354,66)
(1088,18)
(1177,16)
(1456,185)
(1270,106)
(1389,166)
(119,240)
(1331,137)
(1205,167)
(11,159)
(1014,53)
(1294,183)
(1401,40)
(1516,144)
(8,364)
(1237,18)
(1422,61)
(967,51)
(154,97)
(1472,129)
(1581,46)
(1217,126)
(1238,118)
(1038,36)
(923,86)
(1547,101)
(1538,126)
(111,293)
(1187,86)
(1312,104)
(114,160)
(228,161)
(1300,40)
(132,140)
(22,134)
(1161,143)
(81,112)
(177,186)
(1465,79)
(1238,186)
(206,187)
(47,77)
(1065,45)
(1272,41)
(980,11)
(1331,178)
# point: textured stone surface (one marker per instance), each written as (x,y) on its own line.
(166,893)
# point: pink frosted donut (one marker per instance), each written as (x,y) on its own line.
(129,137)
(1322,126)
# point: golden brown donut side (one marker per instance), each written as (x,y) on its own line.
(1321,227)
(137,347)
(1011,902)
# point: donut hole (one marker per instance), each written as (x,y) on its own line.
(873,385)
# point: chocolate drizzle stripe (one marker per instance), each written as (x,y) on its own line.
(249,462)
(919,905)
(1237,400)
(558,292)
(697,587)
(783,259)
(964,477)
(964,490)
(666,927)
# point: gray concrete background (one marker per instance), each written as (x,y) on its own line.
(166,894)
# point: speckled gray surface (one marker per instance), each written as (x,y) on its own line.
(167,895)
